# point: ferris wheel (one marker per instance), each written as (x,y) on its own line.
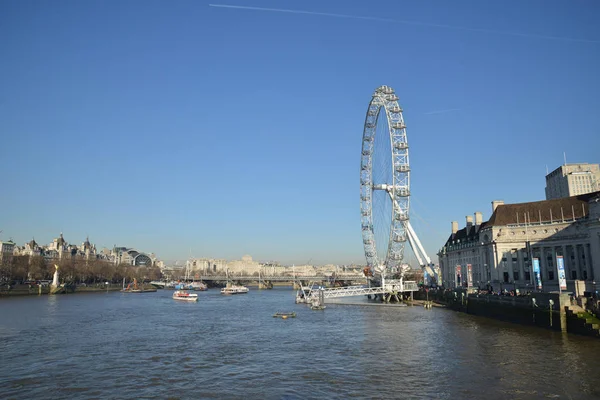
(384,183)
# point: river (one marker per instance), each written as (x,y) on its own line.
(129,346)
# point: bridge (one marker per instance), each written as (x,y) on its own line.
(283,278)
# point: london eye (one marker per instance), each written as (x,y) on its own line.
(384,183)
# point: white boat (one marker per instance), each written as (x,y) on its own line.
(199,286)
(234,289)
(184,296)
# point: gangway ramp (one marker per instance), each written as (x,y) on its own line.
(391,286)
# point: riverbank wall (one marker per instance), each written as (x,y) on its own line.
(541,309)
(38,290)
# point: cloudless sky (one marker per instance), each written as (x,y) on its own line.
(180,128)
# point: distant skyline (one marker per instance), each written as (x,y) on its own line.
(221,129)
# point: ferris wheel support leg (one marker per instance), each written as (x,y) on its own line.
(411,241)
(427,265)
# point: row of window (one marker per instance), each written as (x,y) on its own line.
(517,276)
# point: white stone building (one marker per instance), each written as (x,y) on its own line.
(500,251)
(196,267)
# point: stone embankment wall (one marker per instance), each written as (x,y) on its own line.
(541,309)
(30,290)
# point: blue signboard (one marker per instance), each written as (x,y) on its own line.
(536,273)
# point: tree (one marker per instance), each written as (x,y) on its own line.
(39,268)
(20,268)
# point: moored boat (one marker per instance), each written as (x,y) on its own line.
(185,296)
(284,315)
(201,286)
(235,289)
(135,288)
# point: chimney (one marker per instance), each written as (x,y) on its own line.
(478,218)
(454,227)
(496,203)
(469,222)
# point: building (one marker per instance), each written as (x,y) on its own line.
(6,251)
(571,180)
(124,255)
(196,267)
(206,266)
(246,266)
(60,249)
(499,252)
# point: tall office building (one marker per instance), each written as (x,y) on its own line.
(572,180)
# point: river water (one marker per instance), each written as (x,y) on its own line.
(129,346)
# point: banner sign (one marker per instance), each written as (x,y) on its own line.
(469,275)
(562,279)
(536,273)
(425,278)
(457,280)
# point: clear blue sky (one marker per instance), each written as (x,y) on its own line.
(178,127)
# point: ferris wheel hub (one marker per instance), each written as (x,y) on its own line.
(382,186)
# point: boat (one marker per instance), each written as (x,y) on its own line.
(304,293)
(134,288)
(184,295)
(284,315)
(183,286)
(234,289)
(201,286)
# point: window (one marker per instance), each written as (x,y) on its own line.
(550,275)
(573,275)
(584,275)
(516,275)
(506,277)
(527,276)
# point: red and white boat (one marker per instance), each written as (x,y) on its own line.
(184,295)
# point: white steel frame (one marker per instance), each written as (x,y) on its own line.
(401,230)
(385,98)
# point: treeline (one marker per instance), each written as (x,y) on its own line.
(73,270)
